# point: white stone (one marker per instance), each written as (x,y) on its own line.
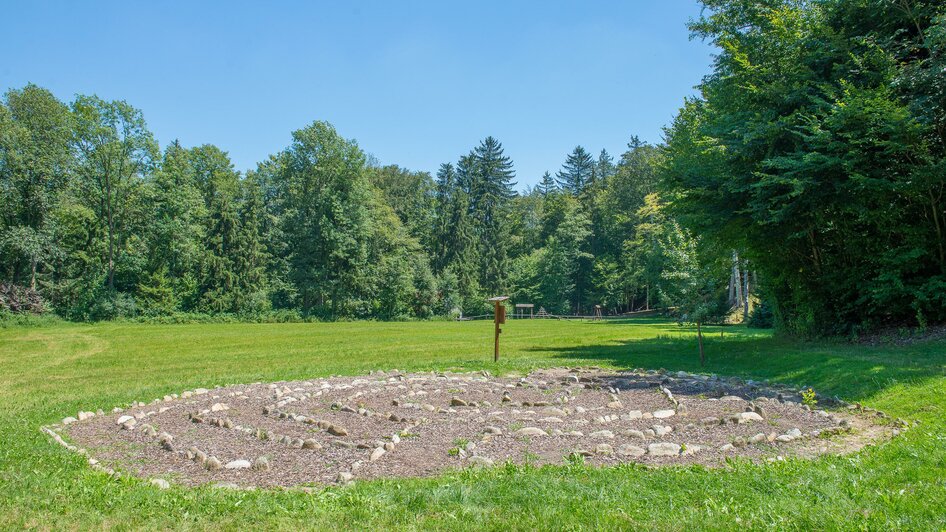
(747,417)
(238,464)
(663,414)
(479,461)
(124,419)
(160,483)
(663,449)
(219,407)
(377,453)
(602,434)
(531,431)
(604,448)
(69,420)
(630,450)
(662,430)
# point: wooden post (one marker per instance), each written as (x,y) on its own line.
(498,330)
(499,317)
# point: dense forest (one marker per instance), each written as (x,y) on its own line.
(805,181)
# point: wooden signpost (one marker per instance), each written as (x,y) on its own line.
(499,317)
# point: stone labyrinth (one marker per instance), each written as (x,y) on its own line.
(395,424)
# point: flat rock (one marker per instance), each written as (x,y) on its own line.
(335,430)
(746,417)
(479,461)
(663,414)
(531,431)
(602,434)
(238,464)
(604,448)
(663,449)
(630,450)
(160,483)
(662,430)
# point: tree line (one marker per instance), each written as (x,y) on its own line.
(102,223)
(805,182)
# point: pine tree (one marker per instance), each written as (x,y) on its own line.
(492,190)
(604,168)
(576,172)
(547,185)
(444,196)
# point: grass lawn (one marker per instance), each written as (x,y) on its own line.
(50,372)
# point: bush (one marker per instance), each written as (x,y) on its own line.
(16,299)
(761,317)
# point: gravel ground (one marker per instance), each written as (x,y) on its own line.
(390,424)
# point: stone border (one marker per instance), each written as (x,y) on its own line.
(764,388)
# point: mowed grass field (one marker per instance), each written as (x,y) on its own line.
(50,372)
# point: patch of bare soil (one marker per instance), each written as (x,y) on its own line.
(398,425)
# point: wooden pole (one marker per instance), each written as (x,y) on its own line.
(498,330)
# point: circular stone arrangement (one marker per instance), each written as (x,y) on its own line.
(394,424)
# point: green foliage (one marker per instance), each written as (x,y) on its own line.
(817,146)
(809,397)
(761,317)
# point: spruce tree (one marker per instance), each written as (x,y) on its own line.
(493,188)
(576,172)
(604,167)
(444,195)
(547,185)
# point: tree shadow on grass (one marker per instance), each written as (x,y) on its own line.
(850,371)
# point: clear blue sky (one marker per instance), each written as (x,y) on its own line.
(416,83)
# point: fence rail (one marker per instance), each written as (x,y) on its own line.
(636,314)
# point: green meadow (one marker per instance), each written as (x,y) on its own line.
(52,371)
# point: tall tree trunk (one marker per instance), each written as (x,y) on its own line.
(699,337)
(737,280)
(934,206)
(745,295)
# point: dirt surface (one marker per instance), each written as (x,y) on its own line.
(393,424)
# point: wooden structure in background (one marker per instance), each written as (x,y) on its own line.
(597,313)
(521,310)
(499,317)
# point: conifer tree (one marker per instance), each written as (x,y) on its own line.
(493,188)
(547,185)
(576,172)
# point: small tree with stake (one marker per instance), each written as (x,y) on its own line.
(695,289)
